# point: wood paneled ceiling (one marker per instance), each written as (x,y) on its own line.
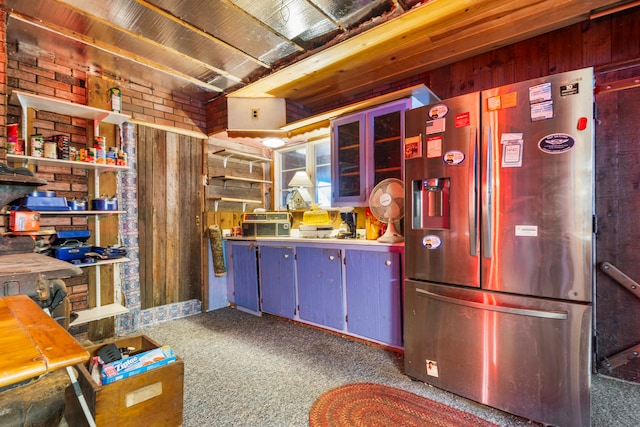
(308,51)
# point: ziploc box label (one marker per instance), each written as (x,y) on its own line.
(137,364)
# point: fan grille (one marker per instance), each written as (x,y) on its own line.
(387,200)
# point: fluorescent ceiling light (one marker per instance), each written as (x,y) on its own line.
(272,142)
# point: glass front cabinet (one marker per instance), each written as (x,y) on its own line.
(367,148)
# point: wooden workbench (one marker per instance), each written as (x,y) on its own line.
(19,272)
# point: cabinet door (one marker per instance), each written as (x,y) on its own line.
(277,281)
(373,282)
(320,291)
(386,127)
(244,262)
(348,159)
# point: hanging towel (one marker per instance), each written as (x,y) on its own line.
(215,239)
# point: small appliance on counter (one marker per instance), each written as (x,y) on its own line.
(315,223)
(348,227)
(266,224)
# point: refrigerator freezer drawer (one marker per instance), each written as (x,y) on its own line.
(526,356)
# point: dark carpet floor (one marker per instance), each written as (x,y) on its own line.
(243,370)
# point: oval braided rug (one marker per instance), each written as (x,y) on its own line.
(368,405)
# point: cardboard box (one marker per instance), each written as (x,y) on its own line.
(152,398)
(137,364)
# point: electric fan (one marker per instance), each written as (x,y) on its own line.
(387,204)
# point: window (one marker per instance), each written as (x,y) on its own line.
(313,158)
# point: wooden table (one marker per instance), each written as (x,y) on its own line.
(32,343)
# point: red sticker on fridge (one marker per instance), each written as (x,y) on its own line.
(462,120)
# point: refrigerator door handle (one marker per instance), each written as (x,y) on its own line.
(473,194)
(560,315)
(487,211)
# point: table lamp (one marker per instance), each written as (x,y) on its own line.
(300,197)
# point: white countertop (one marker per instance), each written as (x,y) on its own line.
(328,240)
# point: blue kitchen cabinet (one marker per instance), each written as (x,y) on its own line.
(277,280)
(244,274)
(320,290)
(374,295)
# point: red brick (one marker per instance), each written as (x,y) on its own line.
(35,88)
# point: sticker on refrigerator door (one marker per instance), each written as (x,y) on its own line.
(438,111)
(453,157)
(542,111)
(556,143)
(527,230)
(434,147)
(432,367)
(431,241)
(499,102)
(413,147)
(463,119)
(509,100)
(512,154)
(569,89)
(435,126)
(540,93)
(512,148)
(494,103)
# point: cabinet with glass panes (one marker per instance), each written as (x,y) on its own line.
(367,148)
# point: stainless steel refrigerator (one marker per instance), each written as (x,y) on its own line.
(499,247)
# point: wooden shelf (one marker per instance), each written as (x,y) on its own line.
(252,181)
(251,158)
(244,202)
(54,105)
(97,313)
(45,161)
(241,156)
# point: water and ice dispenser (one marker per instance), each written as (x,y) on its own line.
(430,203)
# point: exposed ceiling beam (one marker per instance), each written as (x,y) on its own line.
(326,15)
(262,24)
(153,43)
(434,34)
(200,32)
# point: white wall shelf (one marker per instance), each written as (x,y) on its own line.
(54,105)
(97,313)
(80,213)
(97,116)
(45,161)
(104,262)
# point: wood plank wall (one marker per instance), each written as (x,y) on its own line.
(170,193)
(612,46)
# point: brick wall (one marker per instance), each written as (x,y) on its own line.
(3,83)
(52,76)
